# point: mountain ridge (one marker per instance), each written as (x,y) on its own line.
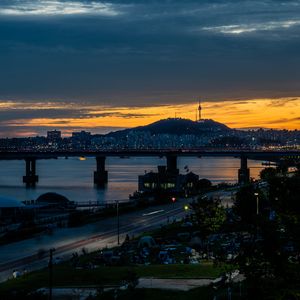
(177,126)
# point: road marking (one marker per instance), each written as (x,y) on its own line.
(153,213)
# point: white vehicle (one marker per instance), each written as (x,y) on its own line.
(16,274)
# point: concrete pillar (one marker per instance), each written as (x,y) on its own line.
(33,166)
(172,164)
(244,172)
(100,175)
(30,177)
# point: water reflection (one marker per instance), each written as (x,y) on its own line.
(73,178)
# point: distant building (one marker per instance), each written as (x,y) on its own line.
(54,136)
(81,140)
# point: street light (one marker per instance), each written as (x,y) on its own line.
(173,201)
(256,194)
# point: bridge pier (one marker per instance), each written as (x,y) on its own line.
(244,172)
(100,175)
(30,178)
(172,164)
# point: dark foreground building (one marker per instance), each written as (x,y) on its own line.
(168,181)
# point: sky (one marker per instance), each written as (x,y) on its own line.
(107,65)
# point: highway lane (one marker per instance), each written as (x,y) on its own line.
(91,237)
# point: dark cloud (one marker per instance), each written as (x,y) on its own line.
(17,114)
(233,111)
(120,115)
(242,102)
(143,53)
(285,120)
(136,52)
(282,102)
(13,116)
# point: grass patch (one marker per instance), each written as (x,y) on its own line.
(150,294)
(68,276)
(206,270)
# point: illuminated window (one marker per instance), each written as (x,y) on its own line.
(168,185)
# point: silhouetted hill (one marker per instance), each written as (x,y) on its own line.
(177,126)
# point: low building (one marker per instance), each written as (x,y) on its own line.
(10,208)
(168,181)
(54,201)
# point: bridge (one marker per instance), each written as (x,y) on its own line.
(282,158)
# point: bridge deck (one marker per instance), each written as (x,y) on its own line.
(252,154)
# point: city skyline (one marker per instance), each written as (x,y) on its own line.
(103,66)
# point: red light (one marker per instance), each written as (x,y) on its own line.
(173,199)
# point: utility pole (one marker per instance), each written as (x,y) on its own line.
(118,222)
(257,207)
(51,272)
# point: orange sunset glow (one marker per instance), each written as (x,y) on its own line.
(283,113)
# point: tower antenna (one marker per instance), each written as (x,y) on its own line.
(199,111)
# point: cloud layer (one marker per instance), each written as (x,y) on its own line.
(142,53)
(57,8)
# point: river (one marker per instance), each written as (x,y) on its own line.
(73,178)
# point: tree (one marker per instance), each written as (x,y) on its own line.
(209,215)
(268,173)
(204,184)
(285,199)
(285,194)
(264,259)
(245,204)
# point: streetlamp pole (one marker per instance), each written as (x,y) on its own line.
(118,222)
(51,272)
(257,209)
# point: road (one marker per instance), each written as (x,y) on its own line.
(25,254)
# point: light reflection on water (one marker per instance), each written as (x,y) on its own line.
(74,178)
